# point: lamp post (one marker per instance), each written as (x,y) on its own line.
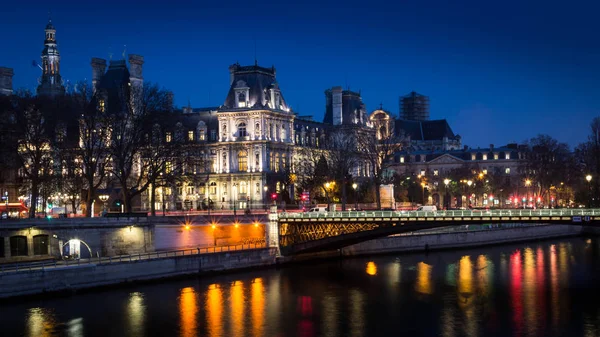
(266,189)
(423,192)
(527,184)
(354,186)
(104,199)
(589,180)
(234,197)
(6,204)
(469,183)
(446,203)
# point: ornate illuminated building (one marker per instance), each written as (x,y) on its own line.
(51,81)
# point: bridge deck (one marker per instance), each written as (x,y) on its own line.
(440,215)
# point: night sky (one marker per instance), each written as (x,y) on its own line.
(499,73)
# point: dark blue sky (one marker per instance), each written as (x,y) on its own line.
(499,71)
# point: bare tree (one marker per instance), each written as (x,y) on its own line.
(379,154)
(548,162)
(342,155)
(128,130)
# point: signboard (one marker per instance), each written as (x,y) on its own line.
(576,219)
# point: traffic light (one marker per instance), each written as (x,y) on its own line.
(118,203)
(274,196)
(304,197)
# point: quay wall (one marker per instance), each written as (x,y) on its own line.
(460,239)
(75,277)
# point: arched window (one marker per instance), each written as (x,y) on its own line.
(257,160)
(242,130)
(257,130)
(224,161)
(213,188)
(243,188)
(243,161)
(283,132)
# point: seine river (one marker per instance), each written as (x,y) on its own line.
(549,288)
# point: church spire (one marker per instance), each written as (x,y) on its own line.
(51,82)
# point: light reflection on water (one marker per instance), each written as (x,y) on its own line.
(512,290)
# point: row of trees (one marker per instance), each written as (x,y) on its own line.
(81,141)
(347,153)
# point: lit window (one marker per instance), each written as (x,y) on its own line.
(423,172)
(168,137)
(190,135)
(507,156)
(168,167)
(435,172)
(485,157)
(242,161)
(495,156)
(202,134)
(213,134)
(402,159)
(101,106)
(473,156)
(213,188)
(243,188)
(507,170)
(485,171)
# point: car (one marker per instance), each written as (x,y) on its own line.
(318,210)
(427,208)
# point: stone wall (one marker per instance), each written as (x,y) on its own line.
(92,275)
(96,237)
(172,237)
(460,239)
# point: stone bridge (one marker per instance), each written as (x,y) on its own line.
(313,232)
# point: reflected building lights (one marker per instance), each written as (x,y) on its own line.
(371,268)
(540,302)
(40,322)
(423,284)
(330,319)
(466,294)
(188,309)
(529,289)
(357,318)
(237,308)
(136,311)
(214,310)
(554,293)
(516,290)
(257,300)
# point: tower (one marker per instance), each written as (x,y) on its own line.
(51,82)
(414,107)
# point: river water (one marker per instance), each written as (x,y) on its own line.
(548,288)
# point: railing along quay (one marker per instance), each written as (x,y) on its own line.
(441,214)
(30,266)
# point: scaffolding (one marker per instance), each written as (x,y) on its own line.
(414,107)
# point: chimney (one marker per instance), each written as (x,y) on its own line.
(135,70)
(232,69)
(336,97)
(491,147)
(6,75)
(98,70)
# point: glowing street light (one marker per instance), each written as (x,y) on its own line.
(354,186)
(104,199)
(589,180)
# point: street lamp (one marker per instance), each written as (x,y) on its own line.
(446,202)
(589,180)
(354,186)
(234,197)
(104,199)
(266,189)
(469,183)
(5,197)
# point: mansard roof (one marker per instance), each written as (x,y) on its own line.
(425,130)
(259,81)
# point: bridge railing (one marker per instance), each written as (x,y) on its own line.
(30,266)
(441,214)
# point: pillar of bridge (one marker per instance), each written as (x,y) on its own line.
(272,230)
